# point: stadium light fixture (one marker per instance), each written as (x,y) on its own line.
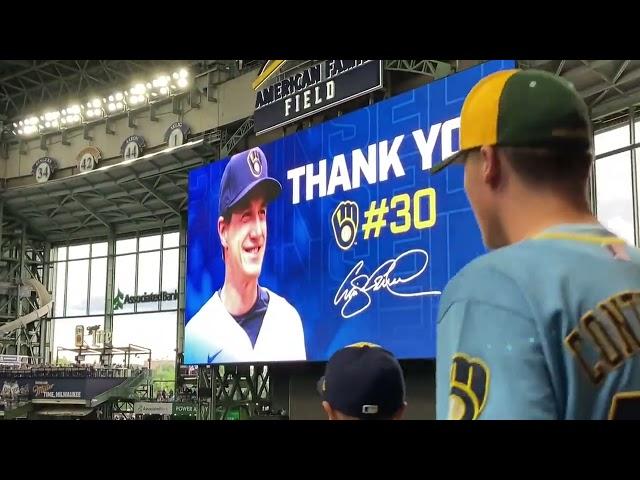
(139,95)
(114,103)
(71,116)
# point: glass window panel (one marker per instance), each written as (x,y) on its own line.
(170,277)
(612,139)
(77,286)
(79,251)
(61,275)
(149,243)
(148,279)
(64,336)
(171,240)
(99,249)
(613,191)
(156,331)
(98,285)
(125,282)
(125,246)
(62,253)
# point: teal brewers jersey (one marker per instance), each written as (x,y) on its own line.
(547,328)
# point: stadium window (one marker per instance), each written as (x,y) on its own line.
(79,251)
(99,249)
(125,281)
(98,285)
(77,287)
(149,243)
(60,287)
(171,240)
(156,331)
(613,182)
(126,246)
(65,333)
(148,279)
(170,277)
(609,140)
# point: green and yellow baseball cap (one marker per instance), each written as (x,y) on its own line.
(522,108)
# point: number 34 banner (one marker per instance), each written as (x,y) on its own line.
(363,239)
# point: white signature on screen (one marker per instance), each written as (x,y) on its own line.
(354,296)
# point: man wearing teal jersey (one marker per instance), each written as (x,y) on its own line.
(546,325)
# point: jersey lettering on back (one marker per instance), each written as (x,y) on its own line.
(612,330)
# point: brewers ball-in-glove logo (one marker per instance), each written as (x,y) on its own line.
(469,387)
(345,224)
(255,162)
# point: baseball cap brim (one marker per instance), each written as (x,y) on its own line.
(271,186)
(448,161)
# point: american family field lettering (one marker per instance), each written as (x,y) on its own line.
(307,88)
(304,100)
(380,162)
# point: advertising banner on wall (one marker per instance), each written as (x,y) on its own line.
(335,235)
(57,388)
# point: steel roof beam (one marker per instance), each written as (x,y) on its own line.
(94,214)
(159,197)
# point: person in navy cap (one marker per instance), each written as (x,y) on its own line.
(363,381)
(244,321)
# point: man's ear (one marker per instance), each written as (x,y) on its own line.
(491,168)
(398,415)
(328,410)
(223,229)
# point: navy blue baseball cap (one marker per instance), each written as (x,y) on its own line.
(363,380)
(244,172)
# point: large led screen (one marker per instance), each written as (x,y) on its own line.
(335,235)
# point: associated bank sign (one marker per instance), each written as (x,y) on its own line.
(120,299)
(152,408)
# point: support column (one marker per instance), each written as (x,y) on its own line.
(19,281)
(634,178)
(45,322)
(21,272)
(182,275)
(109,294)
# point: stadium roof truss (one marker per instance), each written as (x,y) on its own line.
(29,86)
(609,87)
(144,194)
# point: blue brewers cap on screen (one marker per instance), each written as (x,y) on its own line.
(363,380)
(244,172)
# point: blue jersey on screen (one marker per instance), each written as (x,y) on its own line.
(547,328)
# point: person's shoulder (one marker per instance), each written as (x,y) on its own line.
(634,253)
(490,278)
(281,303)
(204,313)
